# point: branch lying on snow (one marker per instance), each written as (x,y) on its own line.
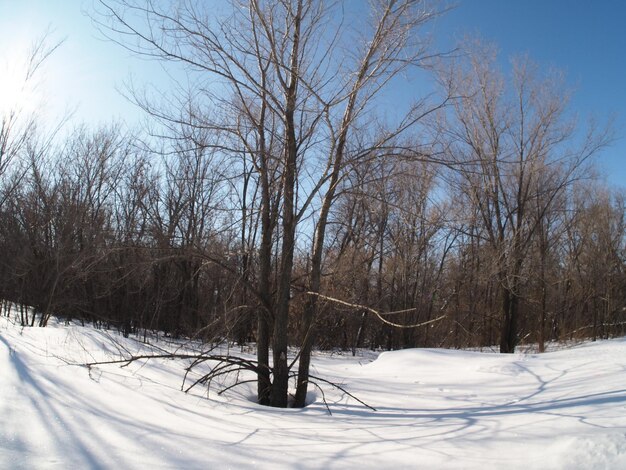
(377,313)
(338,387)
(313,381)
(129,360)
(227,364)
(234,364)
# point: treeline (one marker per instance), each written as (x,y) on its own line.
(99,231)
(277,205)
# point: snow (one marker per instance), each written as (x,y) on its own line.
(435,409)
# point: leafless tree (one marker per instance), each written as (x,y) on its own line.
(517,153)
(289,96)
(18,123)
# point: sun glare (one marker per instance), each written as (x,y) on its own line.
(17,91)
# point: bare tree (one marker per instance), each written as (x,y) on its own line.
(289,97)
(18,124)
(517,153)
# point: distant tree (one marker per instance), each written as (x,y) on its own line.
(18,123)
(516,153)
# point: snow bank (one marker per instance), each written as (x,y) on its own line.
(435,409)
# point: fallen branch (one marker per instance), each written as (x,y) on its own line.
(199,357)
(323,397)
(377,313)
(339,387)
(227,364)
(240,382)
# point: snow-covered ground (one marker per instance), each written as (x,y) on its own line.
(435,409)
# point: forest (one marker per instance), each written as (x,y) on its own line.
(273,199)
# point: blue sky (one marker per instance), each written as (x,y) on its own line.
(86,73)
(586,39)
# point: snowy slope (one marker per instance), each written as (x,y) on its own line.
(435,409)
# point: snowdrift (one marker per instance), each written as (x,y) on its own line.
(434,409)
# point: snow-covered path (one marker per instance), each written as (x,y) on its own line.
(435,409)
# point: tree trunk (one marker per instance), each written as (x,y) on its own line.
(280,386)
(265,308)
(508,328)
(544,296)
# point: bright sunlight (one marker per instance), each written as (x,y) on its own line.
(19,78)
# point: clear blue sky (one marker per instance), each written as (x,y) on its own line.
(586,39)
(86,72)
